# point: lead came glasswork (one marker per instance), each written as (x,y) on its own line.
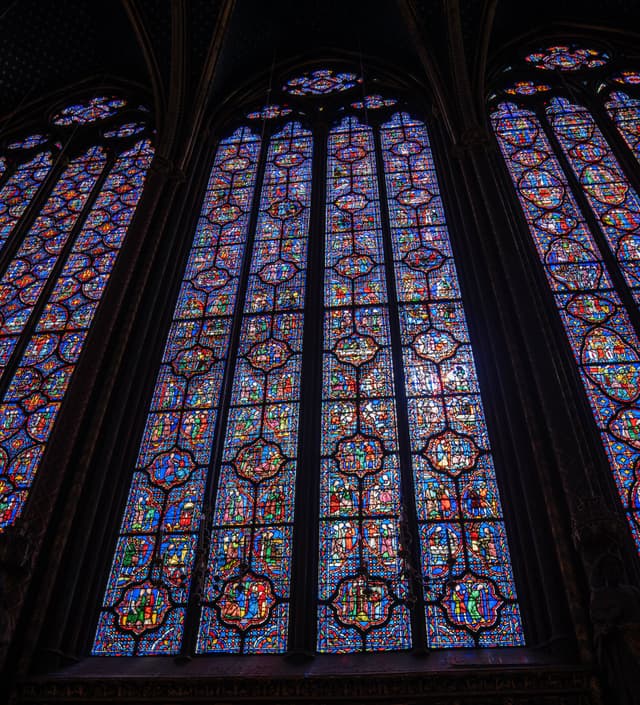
(27,274)
(469,588)
(631,78)
(38,386)
(246,595)
(270,112)
(527,88)
(615,203)
(567,58)
(19,189)
(321,82)
(603,341)
(97,108)
(625,112)
(148,588)
(373,102)
(361,585)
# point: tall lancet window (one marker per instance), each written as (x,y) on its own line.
(316,407)
(64,213)
(568,127)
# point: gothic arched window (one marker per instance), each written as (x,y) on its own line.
(568,122)
(67,197)
(316,442)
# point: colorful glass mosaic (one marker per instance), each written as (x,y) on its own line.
(148,589)
(321,82)
(605,346)
(527,88)
(26,276)
(270,112)
(97,108)
(468,585)
(373,102)
(631,78)
(246,593)
(37,388)
(625,113)
(126,130)
(567,58)
(615,204)
(362,588)
(18,191)
(29,142)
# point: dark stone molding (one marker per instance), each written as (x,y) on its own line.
(504,686)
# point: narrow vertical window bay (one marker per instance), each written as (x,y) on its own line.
(147,592)
(247,588)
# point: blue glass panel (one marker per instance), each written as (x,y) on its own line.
(148,589)
(361,585)
(603,341)
(246,594)
(37,388)
(27,274)
(466,567)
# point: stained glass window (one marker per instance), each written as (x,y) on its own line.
(469,590)
(527,88)
(614,202)
(567,57)
(270,112)
(247,584)
(362,589)
(584,216)
(28,142)
(631,78)
(624,110)
(51,288)
(373,102)
(18,190)
(235,403)
(129,128)
(94,109)
(322,82)
(148,589)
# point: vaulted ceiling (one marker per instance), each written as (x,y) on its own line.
(47,45)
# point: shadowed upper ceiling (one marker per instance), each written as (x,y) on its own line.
(48,44)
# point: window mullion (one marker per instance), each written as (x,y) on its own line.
(304,574)
(409,521)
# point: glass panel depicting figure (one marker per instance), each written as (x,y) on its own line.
(361,583)
(26,276)
(468,585)
(37,388)
(20,188)
(603,341)
(625,112)
(246,595)
(613,200)
(148,588)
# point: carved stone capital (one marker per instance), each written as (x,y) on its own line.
(16,550)
(598,535)
(166,168)
(16,556)
(474,137)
